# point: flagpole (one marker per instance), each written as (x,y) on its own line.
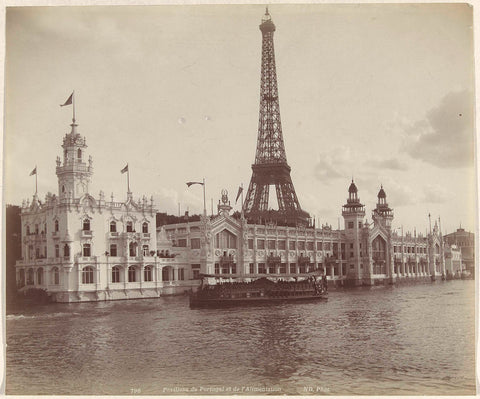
(73,103)
(128,178)
(241,185)
(204,203)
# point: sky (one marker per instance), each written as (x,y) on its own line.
(381,93)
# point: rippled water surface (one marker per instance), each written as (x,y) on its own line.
(416,339)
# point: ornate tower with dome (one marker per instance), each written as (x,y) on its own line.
(74,173)
(382,214)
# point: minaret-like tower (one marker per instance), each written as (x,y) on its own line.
(270,167)
(382,214)
(74,173)
(353,213)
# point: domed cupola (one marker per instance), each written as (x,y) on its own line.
(381,193)
(353,204)
(382,213)
(353,188)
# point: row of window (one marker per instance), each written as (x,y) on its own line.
(132,250)
(37,230)
(132,276)
(264,269)
(292,245)
(29,278)
(87,251)
(130,227)
(410,250)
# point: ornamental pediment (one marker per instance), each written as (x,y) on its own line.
(378,231)
(226,223)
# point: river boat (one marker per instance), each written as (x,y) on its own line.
(258,291)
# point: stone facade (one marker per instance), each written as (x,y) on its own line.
(361,254)
(80,248)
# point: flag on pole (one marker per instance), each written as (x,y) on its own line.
(240,190)
(194,182)
(69,101)
(33,172)
(125,169)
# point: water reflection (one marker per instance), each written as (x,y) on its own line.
(405,340)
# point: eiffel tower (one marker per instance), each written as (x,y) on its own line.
(270,167)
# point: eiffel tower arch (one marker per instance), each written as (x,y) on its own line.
(271,167)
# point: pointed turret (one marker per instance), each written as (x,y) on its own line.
(382,213)
(74,173)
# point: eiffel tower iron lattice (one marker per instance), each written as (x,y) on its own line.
(271,167)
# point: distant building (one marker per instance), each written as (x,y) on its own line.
(453,261)
(466,242)
(80,248)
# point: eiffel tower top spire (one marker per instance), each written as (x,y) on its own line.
(270,147)
(270,167)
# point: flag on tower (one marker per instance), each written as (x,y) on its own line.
(69,101)
(240,190)
(125,169)
(33,172)
(194,182)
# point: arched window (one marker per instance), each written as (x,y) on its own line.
(57,251)
(87,275)
(63,189)
(56,225)
(36,229)
(132,249)
(147,275)
(55,276)
(129,227)
(115,274)
(145,227)
(113,226)
(79,154)
(86,250)
(30,278)
(145,250)
(225,239)
(66,251)
(86,224)
(131,274)
(28,229)
(379,255)
(40,276)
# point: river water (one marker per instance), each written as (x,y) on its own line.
(406,340)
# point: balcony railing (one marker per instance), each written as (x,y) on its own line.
(86,233)
(274,260)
